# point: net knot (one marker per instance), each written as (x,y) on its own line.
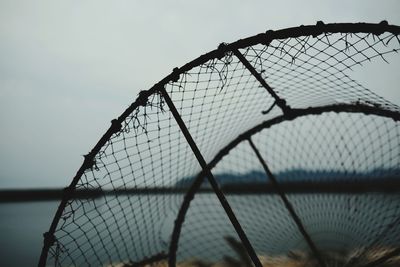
(320,23)
(269,33)
(67,192)
(143,98)
(384,23)
(115,126)
(268,37)
(222,49)
(89,161)
(381,27)
(287,110)
(319,29)
(49,239)
(175,74)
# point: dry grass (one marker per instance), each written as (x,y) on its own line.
(296,259)
(300,260)
(355,258)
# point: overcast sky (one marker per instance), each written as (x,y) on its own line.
(68,67)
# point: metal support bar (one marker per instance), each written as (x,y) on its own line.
(211,179)
(288,205)
(279,101)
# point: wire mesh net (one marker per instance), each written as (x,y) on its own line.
(330,149)
(336,216)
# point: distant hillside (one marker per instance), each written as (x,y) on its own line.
(296,175)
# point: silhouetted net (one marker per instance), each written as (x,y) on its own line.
(335,154)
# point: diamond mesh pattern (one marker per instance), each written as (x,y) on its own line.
(339,170)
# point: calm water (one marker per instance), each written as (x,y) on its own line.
(21,229)
(359,218)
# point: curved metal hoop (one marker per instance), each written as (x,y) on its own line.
(246,136)
(263,38)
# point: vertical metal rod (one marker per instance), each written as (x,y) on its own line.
(288,205)
(211,179)
(279,101)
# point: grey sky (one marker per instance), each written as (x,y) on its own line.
(68,67)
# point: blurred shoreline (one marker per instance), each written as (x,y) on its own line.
(386,185)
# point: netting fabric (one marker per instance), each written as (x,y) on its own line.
(330,149)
